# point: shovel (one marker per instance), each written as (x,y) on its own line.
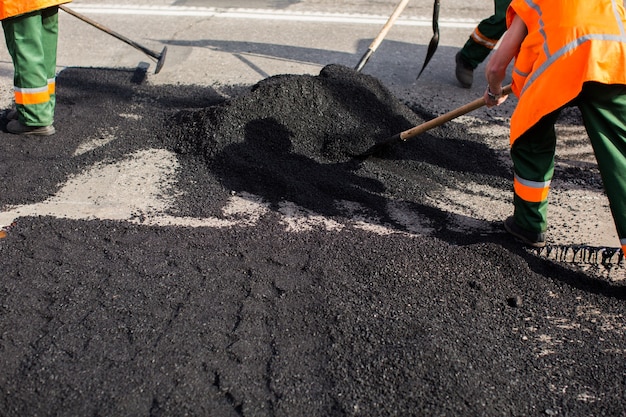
(438,121)
(434,41)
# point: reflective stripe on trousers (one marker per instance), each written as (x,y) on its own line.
(39,95)
(531,191)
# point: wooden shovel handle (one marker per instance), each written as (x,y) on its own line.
(383,32)
(446,117)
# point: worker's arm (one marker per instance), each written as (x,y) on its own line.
(501,58)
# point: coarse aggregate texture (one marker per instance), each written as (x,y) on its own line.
(119,318)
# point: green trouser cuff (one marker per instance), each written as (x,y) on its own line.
(474,53)
(531,216)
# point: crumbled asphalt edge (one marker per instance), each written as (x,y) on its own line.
(321,323)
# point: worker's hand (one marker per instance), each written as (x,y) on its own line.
(494,98)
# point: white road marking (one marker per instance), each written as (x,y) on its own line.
(269,15)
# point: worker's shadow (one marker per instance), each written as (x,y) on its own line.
(264,164)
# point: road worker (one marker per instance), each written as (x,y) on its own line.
(31,34)
(567,53)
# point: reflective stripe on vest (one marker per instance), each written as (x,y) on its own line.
(568,43)
(623,243)
(563,51)
(39,95)
(531,191)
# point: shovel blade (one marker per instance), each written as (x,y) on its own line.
(432,47)
(379,147)
(434,41)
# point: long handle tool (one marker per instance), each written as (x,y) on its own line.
(437,121)
(381,35)
(160,58)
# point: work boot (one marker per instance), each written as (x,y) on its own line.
(533,239)
(16,127)
(11,115)
(464,72)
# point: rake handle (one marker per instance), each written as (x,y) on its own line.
(160,57)
(105,29)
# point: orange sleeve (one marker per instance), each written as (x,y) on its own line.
(510,14)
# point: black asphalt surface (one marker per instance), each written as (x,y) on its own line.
(108,318)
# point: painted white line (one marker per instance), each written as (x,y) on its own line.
(268,15)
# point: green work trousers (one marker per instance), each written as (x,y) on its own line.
(493,27)
(603,108)
(31,39)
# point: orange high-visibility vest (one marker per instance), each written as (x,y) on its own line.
(10,8)
(569,42)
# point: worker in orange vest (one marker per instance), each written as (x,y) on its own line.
(31,33)
(567,53)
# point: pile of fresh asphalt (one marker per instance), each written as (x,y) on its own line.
(294,138)
(119,318)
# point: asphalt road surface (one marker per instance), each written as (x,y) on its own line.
(203,241)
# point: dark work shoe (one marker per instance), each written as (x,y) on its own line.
(464,72)
(16,127)
(11,115)
(533,239)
